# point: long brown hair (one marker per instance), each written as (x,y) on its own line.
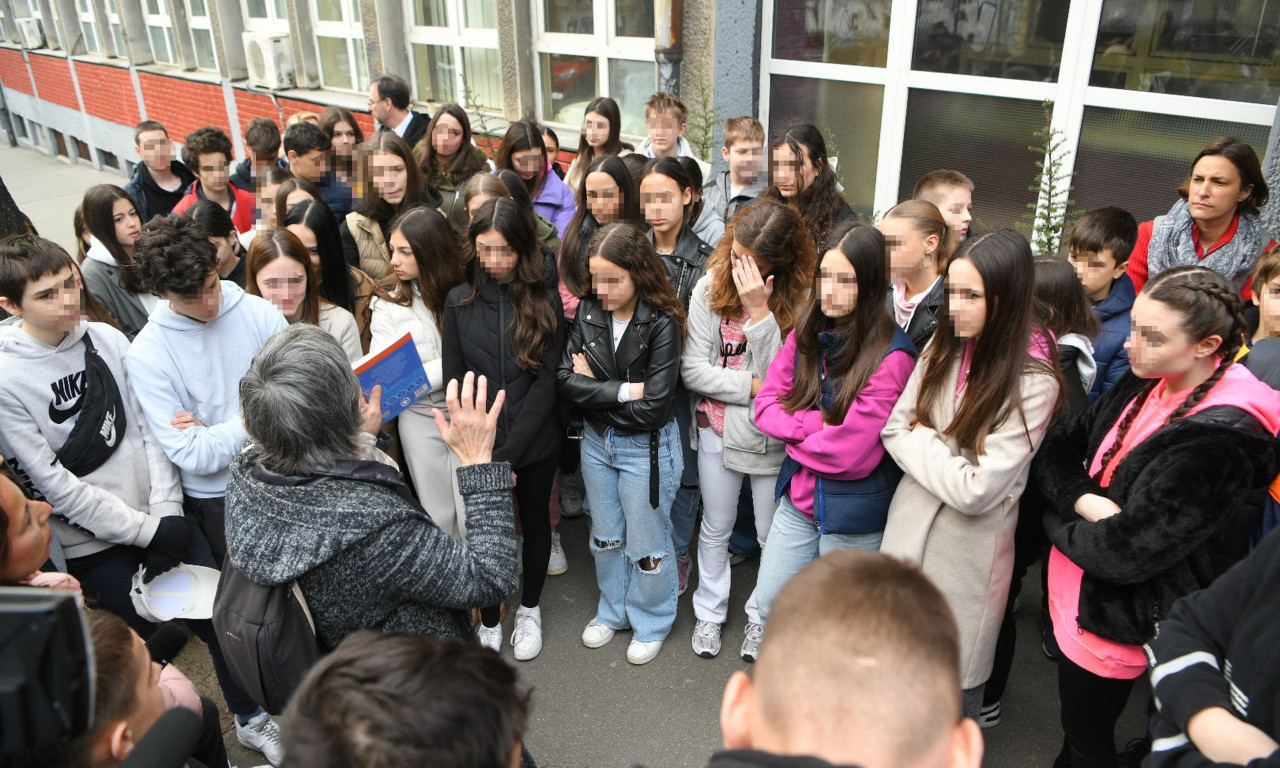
(866,331)
(534,325)
(1209,307)
(573,264)
(372,205)
(96,207)
(777,234)
(286,188)
(820,202)
(623,244)
(282,244)
(464,163)
(436,250)
(1000,353)
(523,135)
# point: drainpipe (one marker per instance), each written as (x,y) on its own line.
(668,27)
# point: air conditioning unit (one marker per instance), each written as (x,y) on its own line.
(269,59)
(32,33)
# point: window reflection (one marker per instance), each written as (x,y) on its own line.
(1212,50)
(1015,39)
(834,31)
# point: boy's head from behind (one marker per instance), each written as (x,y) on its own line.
(860,665)
(1099,248)
(665,117)
(743,148)
(952,192)
(262,138)
(1266,291)
(407,699)
(179,263)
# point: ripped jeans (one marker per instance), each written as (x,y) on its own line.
(630,539)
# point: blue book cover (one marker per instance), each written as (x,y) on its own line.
(399,370)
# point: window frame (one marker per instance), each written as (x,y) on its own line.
(162,21)
(351,32)
(457,37)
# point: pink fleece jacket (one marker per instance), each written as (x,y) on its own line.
(1103,657)
(847,451)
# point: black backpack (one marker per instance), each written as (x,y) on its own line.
(267,636)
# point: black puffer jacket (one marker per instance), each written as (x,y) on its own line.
(686,263)
(477,337)
(1177,490)
(649,352)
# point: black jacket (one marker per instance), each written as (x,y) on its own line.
(1177,491)
(920,327)
(686,263)
(1218,649)
(477,337)
(151,199)
(648,352)
(418,123)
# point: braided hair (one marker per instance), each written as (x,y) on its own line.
(1209,307)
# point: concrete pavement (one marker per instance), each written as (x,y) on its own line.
(592,708)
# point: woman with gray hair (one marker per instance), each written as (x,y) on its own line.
(312,499)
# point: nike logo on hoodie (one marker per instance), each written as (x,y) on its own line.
(68,394)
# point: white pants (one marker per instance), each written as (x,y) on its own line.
(434,468)
(720,491)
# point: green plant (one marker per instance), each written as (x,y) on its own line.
(1050,212)
(704,115)
(481,126)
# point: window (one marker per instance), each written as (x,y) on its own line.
(159,31)
(340,44)
(117,31)
(271,16)
(88,26)
(601,48)
(1014,39)
(202,34)
(454,45)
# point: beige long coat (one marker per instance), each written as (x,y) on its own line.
(954,513)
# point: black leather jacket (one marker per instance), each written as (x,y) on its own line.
(649,352)
(925,319)
(686,263)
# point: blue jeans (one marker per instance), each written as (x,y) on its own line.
(630,539)
(793,544)
(684,510)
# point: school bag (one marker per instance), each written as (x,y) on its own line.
(267,636)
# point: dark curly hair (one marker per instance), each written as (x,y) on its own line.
(174,256)
(204,141)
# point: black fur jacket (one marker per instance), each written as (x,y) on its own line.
(1177,490)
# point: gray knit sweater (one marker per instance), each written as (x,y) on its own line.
(366,559)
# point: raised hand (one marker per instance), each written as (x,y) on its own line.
(470,431)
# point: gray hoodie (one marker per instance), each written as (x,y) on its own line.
(41,389)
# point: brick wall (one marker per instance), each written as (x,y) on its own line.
(13,71)
(108,92)
(183,105)
(53,79)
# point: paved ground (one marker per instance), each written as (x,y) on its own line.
(592,708)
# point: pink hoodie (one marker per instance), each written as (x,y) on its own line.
(847,451)
(1103,657)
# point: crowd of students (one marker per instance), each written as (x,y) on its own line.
(638,339)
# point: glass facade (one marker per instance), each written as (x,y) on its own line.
(1014,39)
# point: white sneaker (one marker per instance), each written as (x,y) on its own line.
(557,564)
(706,639)
(263,735)
(643,653)
(753,634)
(527,639)
(490,637)
(596,634)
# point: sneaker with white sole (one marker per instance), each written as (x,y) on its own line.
(557,564)
(526,641)
(706,639)
(596,634)
(262,735)
(752,636)
(684,566)
(490,637)
(643,653)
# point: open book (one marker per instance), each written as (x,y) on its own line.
(399,370)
